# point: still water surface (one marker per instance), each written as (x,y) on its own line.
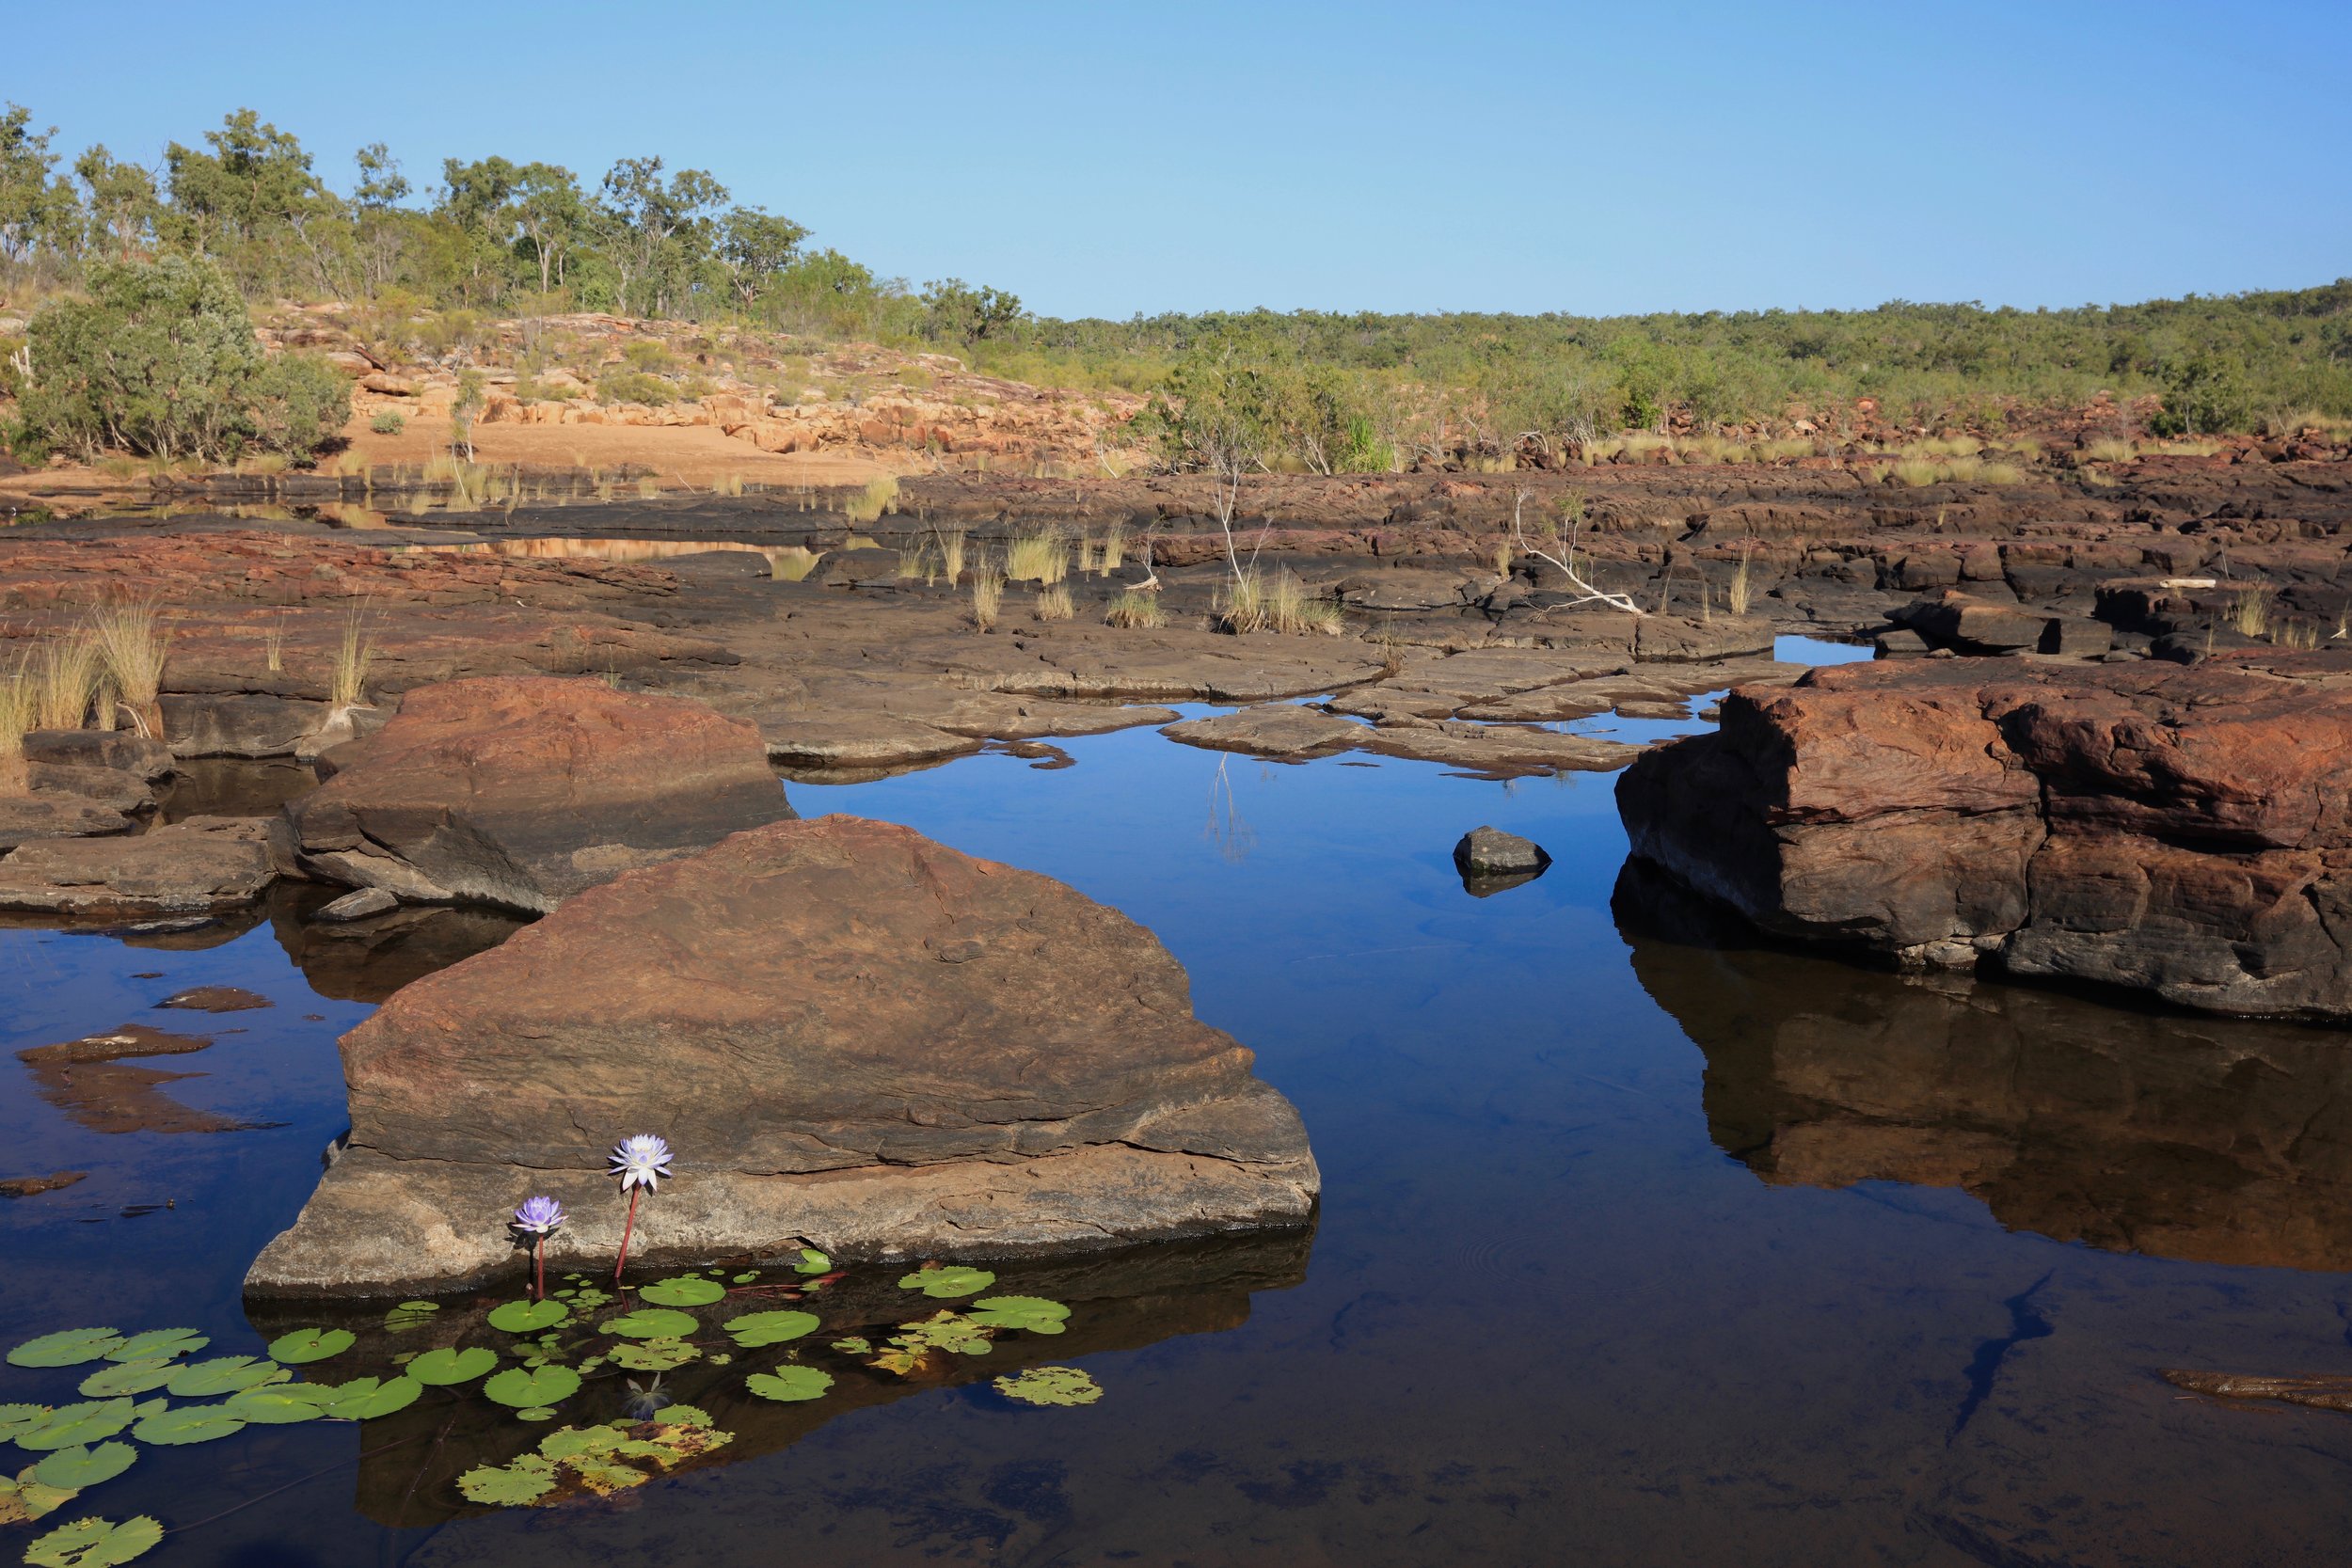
(1639,1244)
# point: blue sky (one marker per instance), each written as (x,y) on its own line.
(1105,159)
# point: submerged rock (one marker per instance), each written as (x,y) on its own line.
(520,791)
(855,1038)
(2185,831)
(206,862)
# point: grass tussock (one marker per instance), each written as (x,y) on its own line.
(66,674)
(17,703)
(2249,612)
(132,644)
(1039,558)
(353,656)
(1136,612)
(792,563)
(1053,604)
(1254,602)
(869,505)
(2111,450)
(1114,549)
(951,542)
(914,562)
(1742,588)
(987,595)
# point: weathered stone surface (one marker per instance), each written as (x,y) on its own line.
(25,818)
(119,749)
(853,1038)
(1271,730)
(1500,750)
(112,787)
(521,791)
(205,863)
(875,740)
(243,724)
(358,906)
(2185,831)
(1492,852)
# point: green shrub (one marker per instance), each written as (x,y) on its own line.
(633,386)
(389,423)
(298,400)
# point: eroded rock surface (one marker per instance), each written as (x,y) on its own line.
(191,867)
(521,791)
(2181,830)
(854,1038)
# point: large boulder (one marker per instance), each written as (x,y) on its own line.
(2181,830)
(520,791)
(854,1038)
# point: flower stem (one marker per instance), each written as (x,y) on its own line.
(626,1229)
(539,1264)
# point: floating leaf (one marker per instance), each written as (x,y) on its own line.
(505,1486)
(571,1442)
(77,1468)
(129,1377)
(1034,1313)
(304,1345)
(853,1345)
(192,1423)
(755,1329)
(529,1317)
(652,1355)
(745,1279)
(685,1415)
(28,1498)
(277,1407)
(1050,1386)
(525,1388)
(537,1413)
(720,1358)
(410,1314)
(67,1347)
(605,1480)
(223,1374)
(365,1399)
(159,1344)
(685,1291)
(439,1369)
(948,1283)
(812,1262)
(71,1425)
(787,1384)
(658,1322)
(94,1544)
(21,1417)
(588,1298)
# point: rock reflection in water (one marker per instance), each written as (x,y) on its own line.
(1119,1301)
(366,960)
(2177,1135)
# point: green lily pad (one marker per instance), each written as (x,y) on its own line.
(525,1388)
(755,1329)
(853,1345)
(281,1406)
(159,1344)
(94,1544)
(1050,1386)
(504,1486)
(812,1262)
(605,1480)
(948,1283)
(76,1469)
(658,1322)
(745,1279)
(21,1417)
(571,1442)
(1034,1313)
(223,1374)
(529,1317)
(73,1425)
(685,1416)
(537,1413)
(588,1298)
(685,1291)
(24,1498)
(439,1369)
(789,1385)
(365,1399)
(129,1377)
(190,1423)
(652,1355)
(410,1314)
(67,1347)
(304,1345)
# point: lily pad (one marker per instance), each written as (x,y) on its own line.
(410,1314)
(537,1413)
(71,1425)
(812,1262)
(159,1344)
(571,1442)
(282,1406)
(745,1279)
(1034,1313)
(504,1485)
(685,1416)
(129,1377)
(440,1368)
(77,1468)
(685,1291)
(605,1480)
(94,1544)
(652,1355)
(21,1417)
(658,1322)
(1050,1386)
(529,1317)
(27,1497)
(304,1345)
(588,1298)
(755,1329)
(67,1347)
(223,1374)
(854,1345)
(789,1385)
(365,1399)
(525,1388)
(945,1284)
(191,1423)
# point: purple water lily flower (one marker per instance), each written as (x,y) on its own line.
(640,1161)
(538,1215)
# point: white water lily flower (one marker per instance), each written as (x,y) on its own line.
(641,1161)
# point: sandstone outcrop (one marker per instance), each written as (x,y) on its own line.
(854,1038)
(2182,831)
(519,792)
(191,867)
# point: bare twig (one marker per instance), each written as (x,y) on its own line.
(1587,593)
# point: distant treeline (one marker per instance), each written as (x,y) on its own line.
(498,238)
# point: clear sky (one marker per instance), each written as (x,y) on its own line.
(1117,157)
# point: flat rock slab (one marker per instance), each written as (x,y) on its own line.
(216,999)
(854,1039)
(115,788)
(203,864)
(121,749)
(520,791)
(1501,751)
(1272,730)
(871,741)
(28,818)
